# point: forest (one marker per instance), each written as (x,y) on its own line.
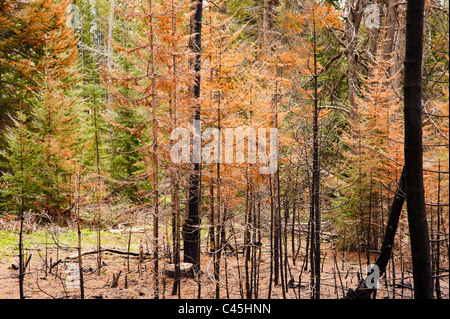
(224,149)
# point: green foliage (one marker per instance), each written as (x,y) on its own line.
(42,153)
(55,123)
(27,30)
(19,181)
(126,162)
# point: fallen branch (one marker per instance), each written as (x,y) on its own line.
(90,252)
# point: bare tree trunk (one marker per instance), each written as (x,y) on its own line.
(392,39)
(415,198)
(391,225)
(437,284)
(278,230)
(217,252)
(77,211)
(110,39)
(316,179)
(176,236)
(97,197)
(355,14)
(191,229)
(21,270)
(175,182)
(155,190)
(247,238)
(267,24)
(271,237)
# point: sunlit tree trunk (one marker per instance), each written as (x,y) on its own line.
(353,21)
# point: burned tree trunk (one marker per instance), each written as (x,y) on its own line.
(316,179)
(191,231)
(411,181)
(363,292)
(155,164)
(415,198)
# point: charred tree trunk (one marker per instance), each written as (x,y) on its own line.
(315,242)
(218,241)
(176,288)
(415,198)
(411,182)
(437,284)
(155,198)
(21,264)
(191,229)
(362,292)
(247,248)
(77,211)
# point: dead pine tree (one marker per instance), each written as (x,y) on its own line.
(22,209)
(191,231)
(21,263)
(437,284)
(315,199)
(155,191)
(78,181)
(97,192)
(247,239)
(219,239)
(415,198)
(272,248)
(277,189)
(176,289)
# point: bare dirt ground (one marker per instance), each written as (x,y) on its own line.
(136,281)
(340,271)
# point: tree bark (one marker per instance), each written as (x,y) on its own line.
(355,14)
(176,288)
(315,241)
(155,197)
(191,231)
(267,23)
(21,264)
(415,198)
(110,47)
(393,39)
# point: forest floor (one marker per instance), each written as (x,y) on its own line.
(340,269)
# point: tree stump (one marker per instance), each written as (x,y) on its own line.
(186,270)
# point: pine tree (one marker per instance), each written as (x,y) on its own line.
(374,154)
(124,163)
(304,61)
(47,104)
(141,88)
(18,183)
(55,125)
(30,30)
(191,229)
(228,103)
